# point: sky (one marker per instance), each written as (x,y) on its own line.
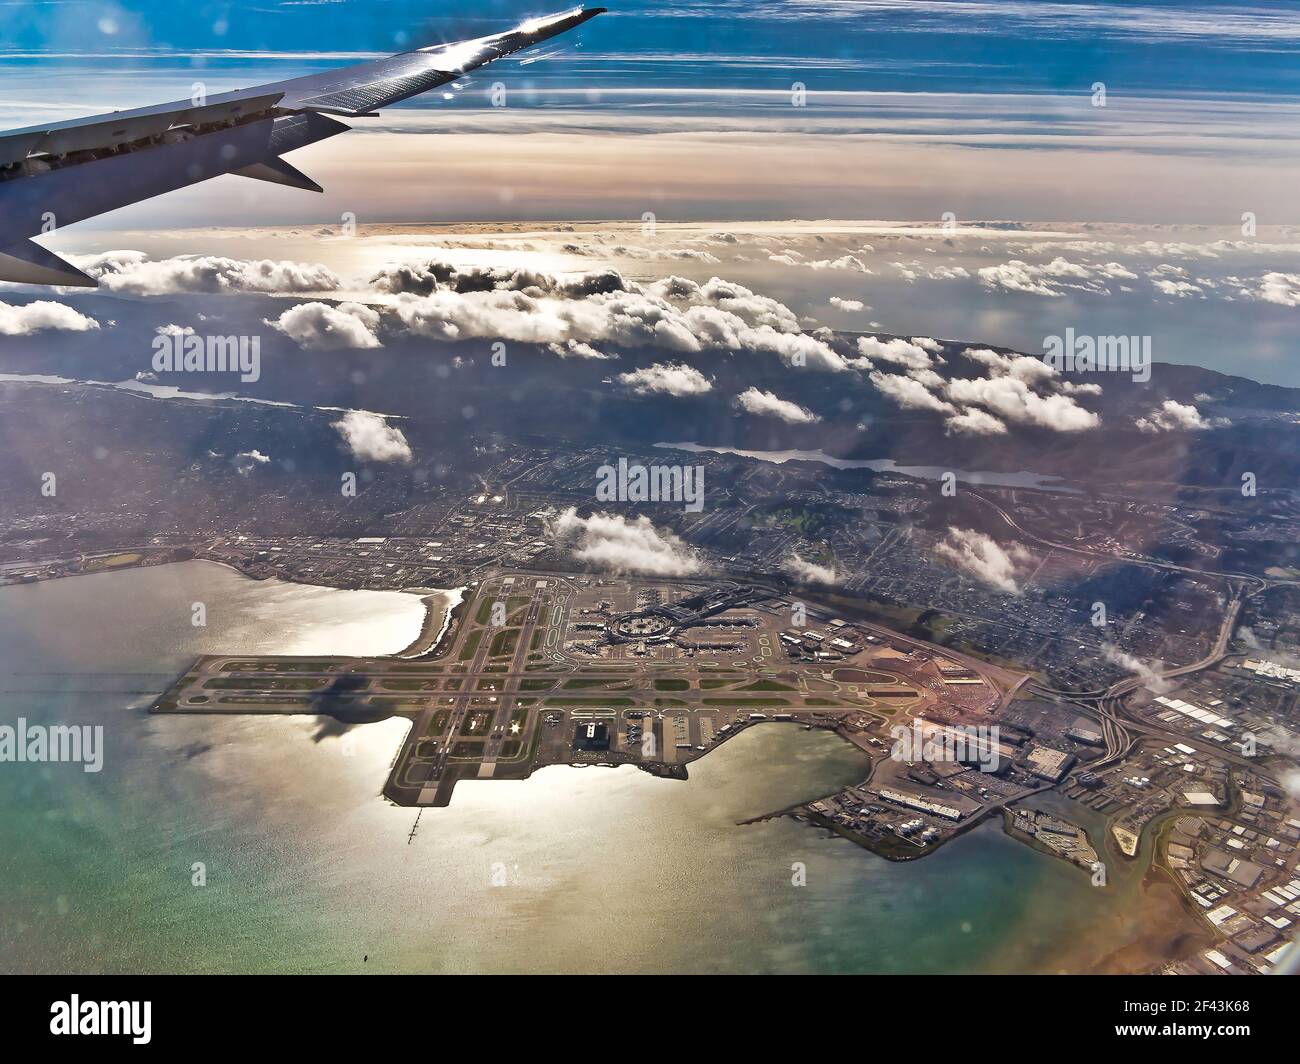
(913,108)
(1216,49)
(1074,144)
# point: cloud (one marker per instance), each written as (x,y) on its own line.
(426,277)
(1291,783)
(611,541)
(1180,289)
(908,393)
(1012,399)
(980,406)
(247,461)
(1048,279)
(1017,276)
(667,378)
(914,271)
(1280,288)
(974,422)
(625,252)
(1172,416)
(42,316)
(1151,677)
(1087,22)
(911,354)
(846,304)
(765,404)
(133,273)
(982,557)
(321,327)
(371,438)
(809,572)
(443,301)
(1022,367)
(577,349)
(844,262)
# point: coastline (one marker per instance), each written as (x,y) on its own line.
(436,628)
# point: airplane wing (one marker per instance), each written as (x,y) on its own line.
(57,174)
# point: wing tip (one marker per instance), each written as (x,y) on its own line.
(29,263)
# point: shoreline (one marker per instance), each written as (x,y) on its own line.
(435,628)
(428,642)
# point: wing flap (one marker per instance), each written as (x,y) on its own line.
(15,147)
(108,132)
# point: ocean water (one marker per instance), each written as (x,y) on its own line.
(308,869)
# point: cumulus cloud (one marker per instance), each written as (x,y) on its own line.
(982,557)
(908,393)
(1012,399)
(912,355)
(611,541)
(321,327)
(134,273)
(974,422)
(371,438)
(1172,416)
(766,404)
(1022,367)
(1179,289)
(846,304)
(809,572)
(577,349)
(1018,389)
(42,316)
(667,378)
(844,262)
(247,461)
(1280,288)
(915,271)
(1048,279)
(442,301)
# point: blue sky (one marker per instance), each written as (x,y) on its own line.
(1215,50)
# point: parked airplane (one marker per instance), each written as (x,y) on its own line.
(54,175)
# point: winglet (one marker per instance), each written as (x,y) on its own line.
(279,172)
(29,263)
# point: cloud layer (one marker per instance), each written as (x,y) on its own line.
(134,273)
(441,301)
